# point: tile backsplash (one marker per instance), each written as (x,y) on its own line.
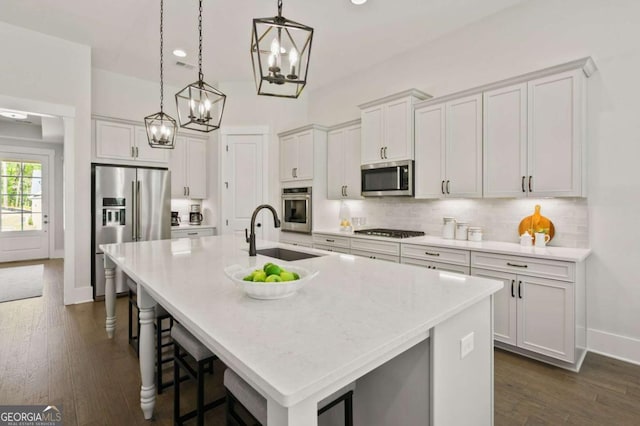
(499,218)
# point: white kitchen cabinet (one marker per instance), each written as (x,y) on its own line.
(376,249)
(192,232)
(343,161)
(505,315)
(296,239)
(443,259)
(387,128)
(126,143)
(331,241)
(188,166)
(449,148)
(440,266)
(297,152)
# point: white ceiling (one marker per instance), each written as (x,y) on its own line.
(124,34)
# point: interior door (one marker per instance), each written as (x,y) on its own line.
(242,185)
(24,206)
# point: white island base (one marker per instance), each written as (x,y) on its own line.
(438,371)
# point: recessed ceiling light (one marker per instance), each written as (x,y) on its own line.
(179,53)
(14,115)
(358,2)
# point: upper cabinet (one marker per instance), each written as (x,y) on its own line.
(297,152)
(343,161)
(122,142)
(188,168)
(448,148)
(534,138)
(387,127)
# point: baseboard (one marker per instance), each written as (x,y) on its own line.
(57,254)
(78,295)
(614,346)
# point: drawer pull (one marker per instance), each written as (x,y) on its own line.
(192,233)
(330,241)
(520,289)
(513,294)
(516,265)
(428,253)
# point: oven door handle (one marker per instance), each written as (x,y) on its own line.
(398,172)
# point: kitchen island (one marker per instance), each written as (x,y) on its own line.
(381,325)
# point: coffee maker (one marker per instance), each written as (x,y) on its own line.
(195,217)
(175,218)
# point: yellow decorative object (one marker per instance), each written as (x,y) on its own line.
(536,223)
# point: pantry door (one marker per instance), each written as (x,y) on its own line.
(244,180)
(24,206)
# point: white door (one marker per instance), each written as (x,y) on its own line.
(430,151)
(504,305)
(351,153)
(243,175)
(398,133)
(505,142)
(24,202)
(464,147)
(335,164)
(372,135)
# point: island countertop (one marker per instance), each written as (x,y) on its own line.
(353,316)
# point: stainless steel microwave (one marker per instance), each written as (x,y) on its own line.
(387,179)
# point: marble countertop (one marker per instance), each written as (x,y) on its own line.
(550,252)
(351,318)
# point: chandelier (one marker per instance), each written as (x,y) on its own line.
(280,51)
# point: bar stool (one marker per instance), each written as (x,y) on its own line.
(239,392)
(161,316)
(185,345)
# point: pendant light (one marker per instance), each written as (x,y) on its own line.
(197,102)
(280,52)
(161,128)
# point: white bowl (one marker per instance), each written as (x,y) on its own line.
(264,290)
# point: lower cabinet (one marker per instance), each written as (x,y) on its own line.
(443,259)
(296,239)
(329,247)
(192,233)
(440,266)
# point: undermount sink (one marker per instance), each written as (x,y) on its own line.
(284,254)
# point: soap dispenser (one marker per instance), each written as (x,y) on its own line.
(526,239)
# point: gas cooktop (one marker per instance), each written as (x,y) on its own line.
(392,233)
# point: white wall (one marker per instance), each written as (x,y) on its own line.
(527,37)
(40,68)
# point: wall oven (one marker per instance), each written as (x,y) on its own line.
(387,179)
(296,210)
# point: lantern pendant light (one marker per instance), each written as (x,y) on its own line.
(198,102)
(280,52)
(161,128)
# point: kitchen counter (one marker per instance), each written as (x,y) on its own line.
(550,252)
(353,319)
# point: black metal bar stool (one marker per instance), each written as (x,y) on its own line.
(186,346)
(240,393)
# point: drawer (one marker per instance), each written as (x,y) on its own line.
(382,247)
(374,255)
(331,248)
(303,240)
(437,254)
(191,233)
(554,269)
(330,240)
(448,267)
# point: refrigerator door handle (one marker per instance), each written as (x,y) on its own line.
(133,209)
(138,212)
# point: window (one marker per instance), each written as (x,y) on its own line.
(20,196)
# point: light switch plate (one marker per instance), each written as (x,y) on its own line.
(466,345)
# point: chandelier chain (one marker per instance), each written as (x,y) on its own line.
(161,56)
(200,75)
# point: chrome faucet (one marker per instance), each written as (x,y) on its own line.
(251,238)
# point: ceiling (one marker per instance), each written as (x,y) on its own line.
(124,34)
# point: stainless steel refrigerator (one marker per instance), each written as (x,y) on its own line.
(129,204)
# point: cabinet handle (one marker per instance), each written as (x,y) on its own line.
(448,187)
(136,152)
(513,294)
(345,191)
(188,191)
(385,152)
(192,233)
(516,265)
(523,178)
(428,253)
(295,172)
(442,187)
(520,289)
(330,241)
(292,174)
(381,157)
(132,152)
(530,177)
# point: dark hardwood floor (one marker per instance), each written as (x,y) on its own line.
(52,354)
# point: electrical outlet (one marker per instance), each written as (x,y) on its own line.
(466,345)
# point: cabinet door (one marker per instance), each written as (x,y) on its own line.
(555,133)
(335,164)
(145,152)
(177,167)
(372,135)
(351,155)
(463,158)
(504,305)
(288,157)
(430,151)
(505,142)
(398,139)
(304,167)
(197,168)
(114,140)
(546,317)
